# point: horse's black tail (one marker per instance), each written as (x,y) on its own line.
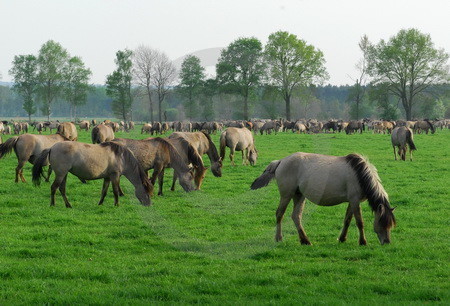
(39,163)
(410,141)
(223,144)
(7,146)
(95,135)
(269,174)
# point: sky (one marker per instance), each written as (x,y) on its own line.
(96,29)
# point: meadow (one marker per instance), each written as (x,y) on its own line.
(217,245)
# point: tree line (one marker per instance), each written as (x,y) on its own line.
(404,76)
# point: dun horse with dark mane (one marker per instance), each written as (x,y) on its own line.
(327,181)
(402,137)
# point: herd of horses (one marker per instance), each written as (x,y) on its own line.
(322,179)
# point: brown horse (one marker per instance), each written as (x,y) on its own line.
(238,139)
(68,130)
(203,143)
(158,154)
(102,133)
(107,161)
(27,148)
(402,137)
(327,181)
(424,125)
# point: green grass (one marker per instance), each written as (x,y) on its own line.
(217,245)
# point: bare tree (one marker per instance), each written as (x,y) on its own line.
(164,73)
(144,61)
(358,90)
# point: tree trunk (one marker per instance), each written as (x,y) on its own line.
(159,109)
(287,99)
(149,93)
(246,108)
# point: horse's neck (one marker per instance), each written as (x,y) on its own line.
(133,177)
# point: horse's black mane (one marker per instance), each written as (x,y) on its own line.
(212,147)
(371,186)
(175,158)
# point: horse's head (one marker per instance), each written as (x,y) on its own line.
(143,192)
(252,155)
(216,167)
(186,180)
(384,221)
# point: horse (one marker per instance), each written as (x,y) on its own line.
(204,145)
(102,133)
(84,125)
(68,130)
(327,181)
(158,154)
(424,125)
(238,139)
(156,128)
(146,128)
(107,161)
(402,137)
(190,156)
(354,126)
(27,148)
(269,126)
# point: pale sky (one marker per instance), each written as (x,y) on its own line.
(96,29)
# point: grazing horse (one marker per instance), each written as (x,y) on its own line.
(354,126)
(326,181)
(102,133)
(107,161)
(84,125)
(238,139)
(203,143)
(27,148)
(424,125)
(68,130)
(402,137)
(158,154)
(146,128)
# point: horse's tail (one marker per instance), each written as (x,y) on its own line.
(95,135)
(269,174)
(7,146)
(409,140)
(39,163)
(223,144)
(431,126)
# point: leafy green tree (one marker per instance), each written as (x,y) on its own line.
(209,91)
(192,76)
(381,95)
(24,73)
(76,84)
(293,63)
(118,84)
(409,63)
(51,62)
(240,69)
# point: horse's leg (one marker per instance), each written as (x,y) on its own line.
(49,172)
(244,161)
(395,155)
(299,203)
(53,188)
(160,182)
(174,180)
(359,223)
(105,187)
(232,149)
(115,180)
(410,154)
(19,170)
(62,190)
(347,220)
(284,202)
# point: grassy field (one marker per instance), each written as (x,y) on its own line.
(217,245)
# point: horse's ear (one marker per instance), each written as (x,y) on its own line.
(392,209)
(380,209)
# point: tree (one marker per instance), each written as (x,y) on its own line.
(118,84)
(358,91)
(143,62)
(192,76)
(24,73)
(292,63)
(76,84)
(51,62)
(164,73)
(409,63)
(209,90)
(240,68)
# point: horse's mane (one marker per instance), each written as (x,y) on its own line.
(370,183)
(212,147)
(192,155)
(128,157)
(175,158)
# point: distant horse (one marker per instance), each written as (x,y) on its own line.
(27,148)
(190,156)
(354,126)
(402,137)
(156,128)
(270,126)
(327,181)
(238,139)
(158,154)
(68,130)
(424,125)
(203,143)
(102,133)
(84,125)
(146,128)
(107,161)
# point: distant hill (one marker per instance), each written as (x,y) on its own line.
(208,58)
(8,84)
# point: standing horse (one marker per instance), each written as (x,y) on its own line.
(327,181)
(203,143)
(27,148)
(68,130)
(102,133)
(158,154)
(402,137)
(238,139)
(424,125)
(107,161)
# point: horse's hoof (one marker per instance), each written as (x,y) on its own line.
(342,239)
(363,242)
(305,242)
(278,239)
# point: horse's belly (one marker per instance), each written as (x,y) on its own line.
(325,198)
